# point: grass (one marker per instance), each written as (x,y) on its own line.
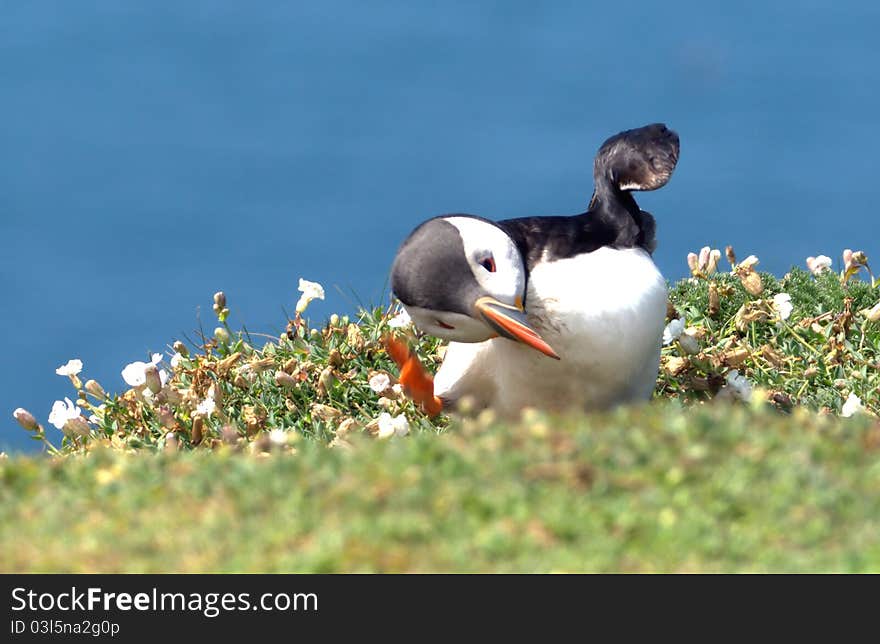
(742,462)
(720,488)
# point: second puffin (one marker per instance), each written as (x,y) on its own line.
(548,312)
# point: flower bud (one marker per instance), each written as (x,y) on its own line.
(386,403)
(326,380)
(693,263)
(171,442)
(283,379)
(324,412)
(96,389)
(712,264)
(346,427)
(354,337)
(674,365)
(77,426)
(714,300)
(26,419)
(703,260)
(166,417)
(180,348)
(752,283)
(197,433)
(731,256)
(215,393)
(221,335)
(689,343)
(219,300)
(334,320)
(153,381)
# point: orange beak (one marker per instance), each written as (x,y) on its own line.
(510,322)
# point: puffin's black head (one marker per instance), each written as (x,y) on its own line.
(462,278)
(639,159)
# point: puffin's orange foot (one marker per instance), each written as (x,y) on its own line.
(416,381)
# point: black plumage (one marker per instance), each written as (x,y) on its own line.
(639,159)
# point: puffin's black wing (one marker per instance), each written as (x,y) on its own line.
(549,238)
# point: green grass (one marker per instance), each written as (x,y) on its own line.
(711,488)
(284,470)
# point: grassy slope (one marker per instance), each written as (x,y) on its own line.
(717,488)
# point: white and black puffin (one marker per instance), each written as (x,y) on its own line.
(548,312)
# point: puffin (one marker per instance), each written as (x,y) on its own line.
(549,312)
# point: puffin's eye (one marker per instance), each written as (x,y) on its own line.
(488,264)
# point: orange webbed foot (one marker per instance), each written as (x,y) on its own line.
(417,383)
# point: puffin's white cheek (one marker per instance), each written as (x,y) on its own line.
(438,323)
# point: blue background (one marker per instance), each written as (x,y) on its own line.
(152,153)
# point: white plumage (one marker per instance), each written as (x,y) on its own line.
(603,312)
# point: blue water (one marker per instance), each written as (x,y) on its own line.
(152,154)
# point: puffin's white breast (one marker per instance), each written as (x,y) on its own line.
(602,312)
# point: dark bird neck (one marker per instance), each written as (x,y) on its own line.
(616,212)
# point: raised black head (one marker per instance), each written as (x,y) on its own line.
(638,159)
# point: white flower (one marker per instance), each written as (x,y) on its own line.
(818,264)
(278,437)
(782,304)
(310,291)
(392,425)
(400,320)
(749,262)
(380,382)
(61,413)
(175,360)
(72,368)
(134,373)
(95,418)
(853,405)
(739,385)
(206,407)
(673,331)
